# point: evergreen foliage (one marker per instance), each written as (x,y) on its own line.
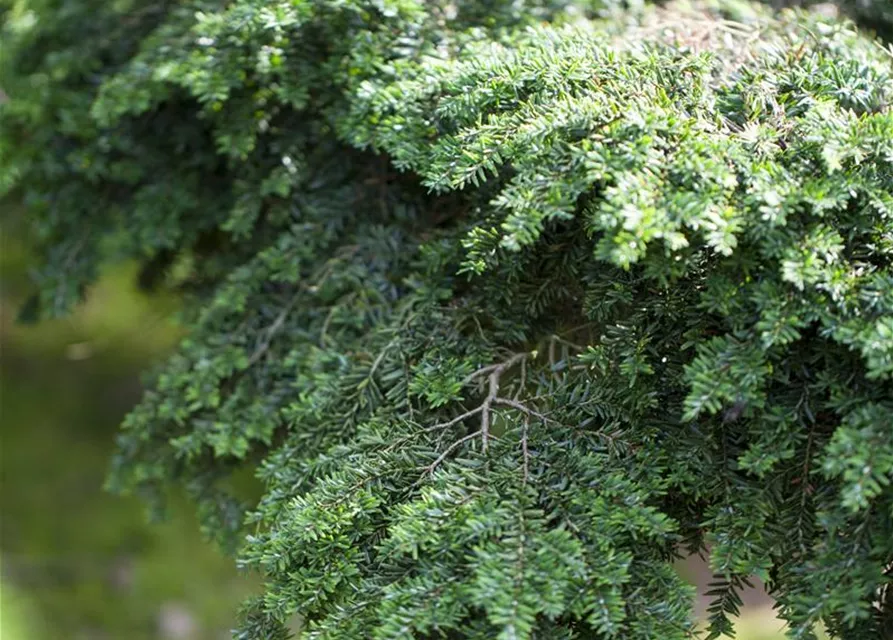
(506,303)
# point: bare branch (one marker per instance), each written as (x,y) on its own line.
(524,452)
(455,421)
(485,424)
(494,368)
(271,332)
(523,379)
(514,404)
(471,377)
(492,396)
(494,373)
(431,467)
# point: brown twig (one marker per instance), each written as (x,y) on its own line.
(498,368)
(493,395)
(431,467)
(523,379)
(454,421)
(494,373)
(271,332)
(520,406)
(524,452)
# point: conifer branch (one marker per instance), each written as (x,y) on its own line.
(706,203)
(520,406)
(271,332)
(493,373)
(456,420)
(443,456)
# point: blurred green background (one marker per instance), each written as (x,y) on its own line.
(76,562)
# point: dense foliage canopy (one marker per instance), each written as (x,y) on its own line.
(506,303)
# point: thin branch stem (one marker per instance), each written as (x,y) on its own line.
(492,396)
(454,421)
(523,379)
(494,373)
(272,331)
(498,368)
(443,456)
(524,452)
(471,377)
(506,402)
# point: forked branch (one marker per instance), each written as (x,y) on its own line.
(494,374)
